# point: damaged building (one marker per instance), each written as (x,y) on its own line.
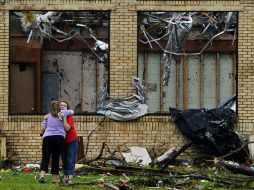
(122,65)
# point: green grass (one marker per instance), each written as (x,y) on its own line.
(13,180)
(29,181)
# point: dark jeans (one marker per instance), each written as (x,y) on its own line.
(69,156)
(51,148)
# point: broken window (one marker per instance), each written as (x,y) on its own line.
(187,59)
(57,55)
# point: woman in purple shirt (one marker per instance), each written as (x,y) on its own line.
(53,141)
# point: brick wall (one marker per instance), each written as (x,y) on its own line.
(23,141)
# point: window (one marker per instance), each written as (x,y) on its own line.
(57,55)
(187,59)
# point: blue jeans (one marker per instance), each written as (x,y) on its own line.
(69,156)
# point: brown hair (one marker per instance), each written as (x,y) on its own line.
(59,102)
(54,109)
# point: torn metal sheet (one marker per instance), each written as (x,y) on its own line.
(41,24)
(177,27)
(230,103)
(124,109)
(212,131)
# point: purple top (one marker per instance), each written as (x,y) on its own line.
(54,126)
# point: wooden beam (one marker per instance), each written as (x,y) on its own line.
(178,85)
(201,81)
(161,85)
(196,45)
(145,71)
(217,79)
(96,82)
(72,45)
(234,75)
(185,83)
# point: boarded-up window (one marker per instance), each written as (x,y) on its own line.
(72,76)
(202,70)
(60,55)
(172,95)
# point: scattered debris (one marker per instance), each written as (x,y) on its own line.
(45,25)
(208,129)
(124,109)
(161,159)
(251,147)
(32,166)
(230,103)
(138,155)
(169,157)
(237,168)
(170,31)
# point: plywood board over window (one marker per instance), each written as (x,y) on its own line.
(76,73)
(195,97)
(63,58)
(199,58)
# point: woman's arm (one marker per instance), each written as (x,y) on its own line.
(44,125)
(65,113)
(67,127)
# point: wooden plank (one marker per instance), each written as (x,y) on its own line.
(234,74)
(22,42)
(161,85)
(209,94)
(201,86)
(217,79)
(96,82)
(185,82)
(178,85)
(223,45)
(145,71)
(76,45)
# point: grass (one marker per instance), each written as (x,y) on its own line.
(13,180)
(29,181)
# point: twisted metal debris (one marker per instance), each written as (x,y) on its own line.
(42,25)
(176,27)
(123,109)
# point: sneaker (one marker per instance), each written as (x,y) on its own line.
(70,182)
(42,180)
(54,179)
(70,179)
(65,178)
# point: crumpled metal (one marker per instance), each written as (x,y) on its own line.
(43,24)
(123,109)
(179,28)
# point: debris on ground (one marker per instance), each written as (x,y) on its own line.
(208,129)
(137,155)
